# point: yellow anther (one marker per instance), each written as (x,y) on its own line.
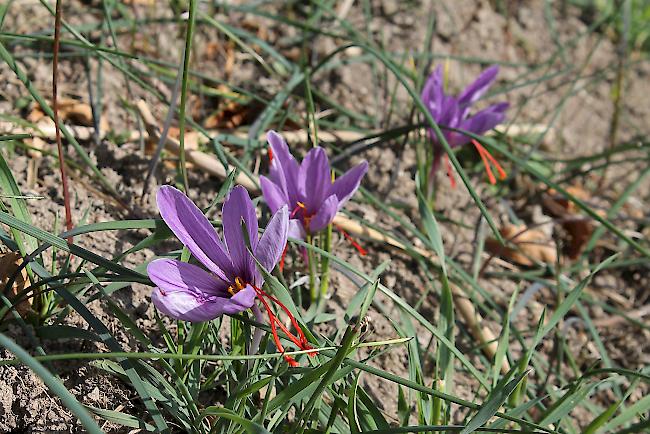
(239,283)
(231,290)
(301,205)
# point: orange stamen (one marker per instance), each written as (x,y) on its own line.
(299,206)
(361,250)
(450,172)
(487,159)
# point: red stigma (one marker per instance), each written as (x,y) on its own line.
(300,206)
(270,154)
(299,339)
(450,172)
(361,250)
(284,255)
(487,159)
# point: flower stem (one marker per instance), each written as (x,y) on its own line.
(312,270)
(185,79)
(325,263)
(57,128)
(257,336)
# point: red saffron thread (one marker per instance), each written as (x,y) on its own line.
(300,340)
(361,250)
(270,154)
(450,172)
(284,255)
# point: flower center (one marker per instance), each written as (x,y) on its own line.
(306,218)
(238,286)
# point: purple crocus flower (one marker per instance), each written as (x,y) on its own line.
(232,280)
(454,112)
(307,188)
(188,292)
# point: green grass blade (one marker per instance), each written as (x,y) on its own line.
(495,400)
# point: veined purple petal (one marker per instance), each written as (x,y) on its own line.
(194,230)
(316,178)
(477,89)
(345,186)
(238,207)
(285,163)
(173,275)
(185,306)
(273,195)
(273,240)
(296,229)
(325,214)
(185,291)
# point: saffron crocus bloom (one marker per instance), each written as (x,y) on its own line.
(307,188)
(454,112)
(232,280)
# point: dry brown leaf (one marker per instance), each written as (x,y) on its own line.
(191,138)
(524,246)
(559,206)
(70,110)
(77,112)
(578,234)
(214,49)
(577,228)
(9,263)
(231,115)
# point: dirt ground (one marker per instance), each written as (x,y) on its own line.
(465,28)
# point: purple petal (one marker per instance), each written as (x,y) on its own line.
(450,112)
(238,207)
(325,214)
(185,306)
(273,240)
(273,195)
(173,275)
(485,120)
(185,291)
(347,185)
(284,162)
(241,301)
(296,230)
(194,230)
(477,89)
(316,178)
(433,93)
